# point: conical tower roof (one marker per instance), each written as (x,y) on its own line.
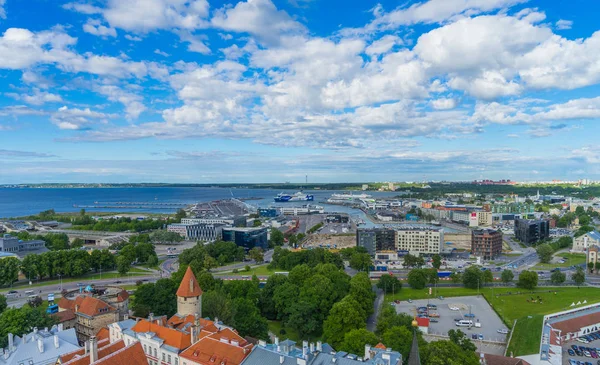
(189,286)
(413,357)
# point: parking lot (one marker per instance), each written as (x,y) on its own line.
(584,353)
(462,307)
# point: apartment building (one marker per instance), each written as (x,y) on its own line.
(91,314)
(198,231)
(376,239)
(531,231)
(486,243)
(427,241)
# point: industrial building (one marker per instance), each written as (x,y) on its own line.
(486,243)
(10,243)
(247,237)
(531,231)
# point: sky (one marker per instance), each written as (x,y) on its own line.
(207,91)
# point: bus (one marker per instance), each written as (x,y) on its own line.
(52,309)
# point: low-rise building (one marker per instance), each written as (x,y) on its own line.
(198,231)
(223,347)
(486,243)
(104,352)
(91,314)
(247,237)
(40,347)
(583,242)
(10,243)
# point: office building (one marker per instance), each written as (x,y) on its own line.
(10,243)
(583,242)
(427,241)
(40,347)
(486,243)
(268,212)
(531,231)
(197,231)
(376,239)
(247,237)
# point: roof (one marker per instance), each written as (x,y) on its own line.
(595,235)
(224,347)
(189,286)
(82,351)
(503,360)
(122,296)
(380,346)
(422,322)
(414,358)
(183,322)
(64,316)
(574,324)
(170,336)
(89,306)
(130,355)
(28,350)
(102,334)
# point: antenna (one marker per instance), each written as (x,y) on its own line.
(306,182)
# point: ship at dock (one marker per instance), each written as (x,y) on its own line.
(348,198)
(298,197)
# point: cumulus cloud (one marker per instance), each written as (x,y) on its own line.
(95,27)
(444,103)
(2,11)
(74,118)
(37,97)
(563,24)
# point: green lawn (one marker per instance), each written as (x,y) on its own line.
(570,260)
(262,270)
(276,326)
(510,307)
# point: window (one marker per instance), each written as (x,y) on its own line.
(155,353)
(163,356)
(145,348)
(169,359)
(176,361)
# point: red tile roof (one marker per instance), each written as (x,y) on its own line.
(170,336)
(574,325)
(180,322)
(224,347)
(81,352)
(423,322)
(102,334)
(130,355)
(380,346)
(89,306)
(189,286)
(122,296)
(66,315)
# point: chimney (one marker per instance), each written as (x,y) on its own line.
(86,346)
(312,347)
(125,317)
(93,350)
(482,359)
(304,352)
(60,327)
(40,344)
(76,308)
(276,341)
(35,330)
(193,334)
(319,346)
(281,359)
(6,354)
(367,352)
(151,317)
(11,343)
(216,320)
(56,343)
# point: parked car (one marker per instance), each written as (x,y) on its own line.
(469,315)
(454,308)
(504,331)
(431,306)
(433,320)
(434,314)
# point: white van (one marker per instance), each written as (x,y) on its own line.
(464,323)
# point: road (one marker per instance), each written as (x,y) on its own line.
(372,320)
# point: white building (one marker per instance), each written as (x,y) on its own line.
(583,242)
(200,231)
(416,241)
(40,347)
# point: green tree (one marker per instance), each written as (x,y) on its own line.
(361,261)
(578,276)
(545,252)
(77,242)
(418,278)
(3,304)
(362,291)
(256,254)
(527,280)
(216,304)
(436,261)
(597,267)
(143,252)
(129,253)
(123,265)
(19,321)
(398,338)
(344,316)
(473,277)
(388,318)
(449,353)
(180,214)
(276,238)
(558,277)
(584,220)
(590,266)
(456,277)
(9,270)
(461,339)
(355,341)
(507,276)
(488,277)
(413,261)
(266,301)
(389,283)
(210,263)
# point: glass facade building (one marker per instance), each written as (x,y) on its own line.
(247,237)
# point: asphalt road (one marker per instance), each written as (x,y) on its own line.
(372,320)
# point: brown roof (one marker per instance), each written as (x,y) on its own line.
(80,352)
(574,324)
(102,334)
(170,336)
(130,355)
(64,316)
(380,346)
(503,360)
(180,322)
(89,306)
(422,322)
(224,347)
(122,296)
(189,286)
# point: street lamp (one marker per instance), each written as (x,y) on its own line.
(60,277)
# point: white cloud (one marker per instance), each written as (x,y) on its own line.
(133,38)
(82,8)
(444,103)
(95,27)
(23,154)
(159,52)
(37,98)
(259,18)
(563,24)
(383,45)
(74,118)
(2,11)
(133,103)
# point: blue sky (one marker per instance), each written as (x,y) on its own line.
(273,90)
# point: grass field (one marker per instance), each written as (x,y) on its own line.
(262,270)
(526,337)
(570,260)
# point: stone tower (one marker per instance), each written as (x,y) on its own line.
(189,295)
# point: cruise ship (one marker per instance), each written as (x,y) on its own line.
(299,196)
(347,198)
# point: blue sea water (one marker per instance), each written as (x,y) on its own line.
(26,201)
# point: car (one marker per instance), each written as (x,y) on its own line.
(409,300)
(474,336)
(434,314)
(504,331)
(431,306)
(80,284)
(12,292)
(441,297)
(457,319)
(586,353)
(454,308)
(422,315)
(574,347)
(571,352)
(480,337)
(433,320)
(469,315)
(118,282)
(422,308)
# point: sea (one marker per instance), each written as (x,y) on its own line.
(16,202)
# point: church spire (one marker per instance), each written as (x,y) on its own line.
(413,357)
